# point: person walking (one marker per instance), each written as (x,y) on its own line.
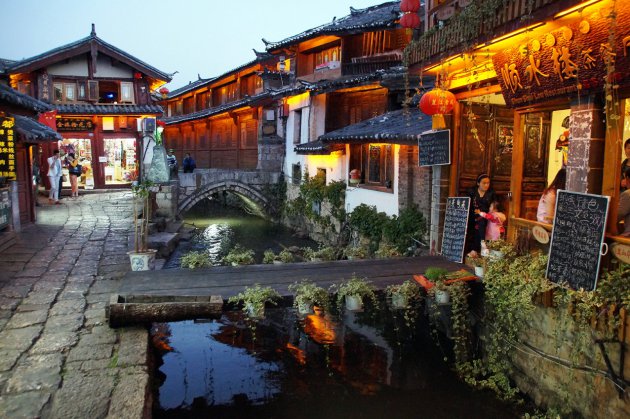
(54,176)
(74,170)
(189,164)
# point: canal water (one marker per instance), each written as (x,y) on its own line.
(374,364)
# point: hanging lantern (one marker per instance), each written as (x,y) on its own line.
(410,6)
(437,102)
(137,75)
(410,20)
(164,92)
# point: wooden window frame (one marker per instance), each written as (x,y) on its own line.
(93,90)
(131,98)
(297,126)
(64,86)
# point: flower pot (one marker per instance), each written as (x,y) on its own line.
(354,303)
(479,271)
(399,301)
(442,297)
(142,261)
(254,312)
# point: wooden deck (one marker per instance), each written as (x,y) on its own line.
(227,281)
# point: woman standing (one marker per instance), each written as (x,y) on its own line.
(54,175)
(547,203)
(74,170)
(481,196)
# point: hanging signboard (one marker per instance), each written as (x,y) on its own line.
(577,239)
(455,226)
(434,148)
(7,148)
(75,124)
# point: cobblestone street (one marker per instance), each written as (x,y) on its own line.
(58,356)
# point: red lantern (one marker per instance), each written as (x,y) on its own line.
(410,6)
(137,75)
(437,101)
(410,20)
(164,92)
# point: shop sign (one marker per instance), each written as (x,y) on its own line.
(74,124)
(621,252)
(575,57)
(540,234)
(5,208)
(7,148)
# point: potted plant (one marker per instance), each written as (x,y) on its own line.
(353,292)
(498,248)
(268,256)
(141,258)
(401,295)
(479,264)
(254,299)
(307,295)
(285,256)
(387,250)
(356,252)
(238,255)
(194,260)
(438,276)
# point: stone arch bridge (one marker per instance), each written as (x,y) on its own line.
(257,188)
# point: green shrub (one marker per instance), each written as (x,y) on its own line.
(194,260)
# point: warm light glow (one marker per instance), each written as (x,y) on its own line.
(298,354)
(296,100)
(579,7)
(470,77)
(515,33)
(320,329)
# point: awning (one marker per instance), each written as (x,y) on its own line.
(31,131)
(403,127)
(318,147)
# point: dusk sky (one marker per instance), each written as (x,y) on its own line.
(205,37)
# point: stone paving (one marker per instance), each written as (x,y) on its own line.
(58,356)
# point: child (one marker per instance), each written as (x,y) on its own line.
(496,218)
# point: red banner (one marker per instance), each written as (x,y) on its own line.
(49,119)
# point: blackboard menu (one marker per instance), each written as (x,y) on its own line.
(455,225)
(434,148)
(576,240)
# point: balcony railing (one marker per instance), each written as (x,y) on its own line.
(479,22)
(354,69)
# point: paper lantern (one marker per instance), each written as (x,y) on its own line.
(164,92)
(410,20)
(410,6)
(437,102)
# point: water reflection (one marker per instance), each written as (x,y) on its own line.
(314,367)
(220,228)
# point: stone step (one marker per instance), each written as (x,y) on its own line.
(165,243)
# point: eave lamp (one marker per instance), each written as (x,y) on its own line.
(436,103)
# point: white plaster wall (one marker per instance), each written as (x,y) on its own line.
(104,68)
(383,201)
(77,66)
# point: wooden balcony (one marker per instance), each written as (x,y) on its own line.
(480,22)
(355,69)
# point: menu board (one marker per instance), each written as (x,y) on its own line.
(455,226)
(577,238)
(434,148)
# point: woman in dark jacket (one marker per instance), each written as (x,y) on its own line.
(481,196)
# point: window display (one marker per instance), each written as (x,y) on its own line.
(82,149)
(121,160)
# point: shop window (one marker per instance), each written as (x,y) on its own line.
(82,150)
(64,92)
(108,92)
(82,90)
(121,160)
(376,163)
(297,127)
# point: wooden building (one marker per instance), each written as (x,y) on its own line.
(98,94)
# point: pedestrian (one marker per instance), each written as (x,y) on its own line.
(189,164)
(54,176)
(623,212)
(481,196)
(74,170)
(547,203)
(496,218)
(172,163)
(625,184)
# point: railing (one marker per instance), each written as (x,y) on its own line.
(479,22)
(353,69)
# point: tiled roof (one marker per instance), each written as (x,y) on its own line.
(107,109)
(248,101)
(377,17)
(91,38)
(12,96)
(403,126)
(32,131)
(190,86)
(318,147)
(5,64)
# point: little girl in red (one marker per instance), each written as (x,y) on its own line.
(494,229)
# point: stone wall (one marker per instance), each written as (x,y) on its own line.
(166,200)
(549,382)
(414,182)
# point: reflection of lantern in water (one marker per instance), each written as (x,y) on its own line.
(320,329)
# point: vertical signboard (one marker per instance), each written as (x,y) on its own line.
(577,239)
(455,226)
(434,148)
(7,148)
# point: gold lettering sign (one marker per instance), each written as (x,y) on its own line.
(7,148)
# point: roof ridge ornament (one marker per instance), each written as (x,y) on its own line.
(93,33)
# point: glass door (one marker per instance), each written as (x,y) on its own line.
(82,150)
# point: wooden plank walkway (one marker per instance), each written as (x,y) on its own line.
(227,281)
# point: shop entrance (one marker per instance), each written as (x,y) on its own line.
(121,161)
(82,150)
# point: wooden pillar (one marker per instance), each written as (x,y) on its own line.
(586,149)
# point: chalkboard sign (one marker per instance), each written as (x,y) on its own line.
(455,225)
(577,238)
(434,148)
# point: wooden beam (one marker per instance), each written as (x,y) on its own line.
(495,88)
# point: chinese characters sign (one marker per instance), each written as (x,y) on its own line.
(74,124)
(575,57)
(7,148)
